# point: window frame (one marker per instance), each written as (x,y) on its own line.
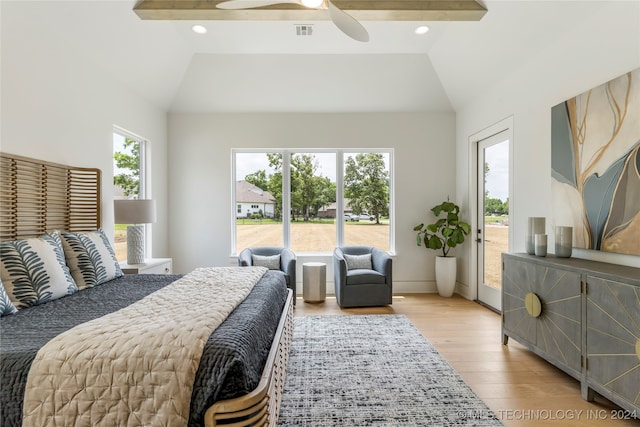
(286,190)
(144,189)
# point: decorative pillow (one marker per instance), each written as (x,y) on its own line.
(33,271)
(355,262)
(271,262)
(6,306)
(90,258)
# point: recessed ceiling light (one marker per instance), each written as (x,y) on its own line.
(199,29)
(422,29)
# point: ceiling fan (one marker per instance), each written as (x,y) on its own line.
(345,22)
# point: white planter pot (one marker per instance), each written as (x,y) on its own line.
(445,275)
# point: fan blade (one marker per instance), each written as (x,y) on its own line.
(250,4)
(347,23)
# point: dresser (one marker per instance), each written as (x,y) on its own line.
(582,316)
(150,266)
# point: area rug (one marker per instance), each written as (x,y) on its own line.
(373,370)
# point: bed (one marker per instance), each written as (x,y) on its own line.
(239,374)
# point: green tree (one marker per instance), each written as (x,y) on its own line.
(326,193)
(492,205)
(308,191)
(486,172)
(496,206)
(259,179)
(274,182)
(129,162)
(366,184)
(304,188)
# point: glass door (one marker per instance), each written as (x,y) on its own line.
(493,215)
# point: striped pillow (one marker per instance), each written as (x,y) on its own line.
(90,258)
(6,306)
(34,271)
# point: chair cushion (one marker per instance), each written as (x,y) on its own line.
(365,277)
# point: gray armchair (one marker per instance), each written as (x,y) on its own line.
(287,262)
(364,284)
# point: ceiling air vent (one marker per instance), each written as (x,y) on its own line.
(304,30)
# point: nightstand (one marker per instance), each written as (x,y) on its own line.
(150,266)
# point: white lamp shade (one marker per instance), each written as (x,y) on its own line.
(134,211)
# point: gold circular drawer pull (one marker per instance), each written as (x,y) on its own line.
(638,348)
(532,304)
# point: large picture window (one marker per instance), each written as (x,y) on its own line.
(312,200)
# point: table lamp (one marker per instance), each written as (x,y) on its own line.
(136,213)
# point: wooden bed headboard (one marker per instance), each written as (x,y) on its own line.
(38,196)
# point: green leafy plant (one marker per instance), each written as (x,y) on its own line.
(447,232)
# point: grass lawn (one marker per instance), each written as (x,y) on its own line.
(313,236)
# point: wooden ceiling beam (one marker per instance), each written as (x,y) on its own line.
(364,10)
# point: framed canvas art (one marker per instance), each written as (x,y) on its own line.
(595,166)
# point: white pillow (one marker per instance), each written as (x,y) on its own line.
(90,258)
(356,262)
(33,271)
(271,262)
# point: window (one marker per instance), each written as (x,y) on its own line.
(366,199)
(312,196)
(256,175)
(313,201)
(128,180)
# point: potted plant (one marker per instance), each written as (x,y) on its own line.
(446,233)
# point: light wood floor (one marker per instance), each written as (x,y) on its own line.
(520,387)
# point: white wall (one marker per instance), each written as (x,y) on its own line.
(200,171)
(605,47)
(59,106)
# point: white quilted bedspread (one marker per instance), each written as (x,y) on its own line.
(135,367)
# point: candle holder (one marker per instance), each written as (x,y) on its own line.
(564,241)
(535,225)
(540,243)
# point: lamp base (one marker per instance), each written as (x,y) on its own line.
(135,244)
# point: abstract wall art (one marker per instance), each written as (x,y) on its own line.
(595,166)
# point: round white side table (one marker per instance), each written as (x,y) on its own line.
(314,281)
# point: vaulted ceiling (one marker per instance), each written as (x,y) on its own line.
(263,66)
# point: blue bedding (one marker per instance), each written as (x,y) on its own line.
(232,361)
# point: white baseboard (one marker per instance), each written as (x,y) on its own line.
(398,288)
